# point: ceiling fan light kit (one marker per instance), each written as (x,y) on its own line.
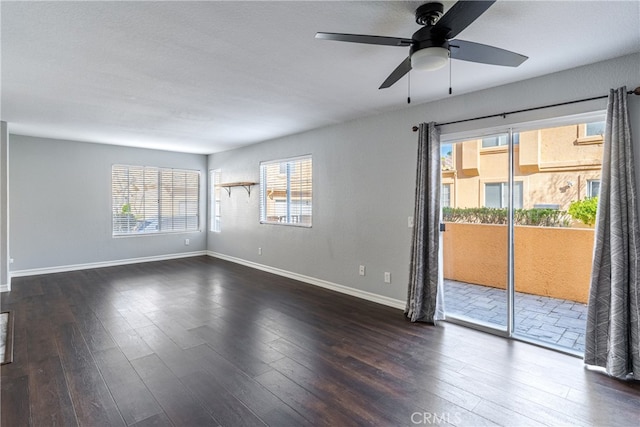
(430,59)
(431,47)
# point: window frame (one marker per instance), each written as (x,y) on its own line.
(502,140)
(215,215)
(590,185)
(263,218)
(160,175)
(601,123)
(504,193)
(585,138)
(444,193)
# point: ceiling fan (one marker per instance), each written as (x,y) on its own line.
(432,45)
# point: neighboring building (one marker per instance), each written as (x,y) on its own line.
(553,167)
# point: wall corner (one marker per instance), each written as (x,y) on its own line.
(5,278)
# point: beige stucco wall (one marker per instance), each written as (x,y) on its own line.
(553,164)
(553,262)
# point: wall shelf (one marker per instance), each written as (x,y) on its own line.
(245,184)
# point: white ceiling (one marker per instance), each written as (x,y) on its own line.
(204,77)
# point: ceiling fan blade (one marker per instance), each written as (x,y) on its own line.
(361,38)
(485,54)
(397,74)
(460,16)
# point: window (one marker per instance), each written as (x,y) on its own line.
(500,140)
(154,200)
(216,192)
(445,196)
(593,187)
(286,191)
(595,129)
(496,195)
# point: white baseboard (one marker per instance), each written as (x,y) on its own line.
(74,267)
(369,296)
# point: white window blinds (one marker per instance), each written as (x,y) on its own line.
(286,191)
(496,195)
(154,200)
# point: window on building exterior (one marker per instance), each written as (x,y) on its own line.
(286,191)
(593,188)
(595,129)
(148,199)
(216,192)
(500,140)
(496,195)
(445,196)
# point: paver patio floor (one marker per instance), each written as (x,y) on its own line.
(556,321)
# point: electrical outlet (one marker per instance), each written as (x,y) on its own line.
(259,251)
(361,270)
(186,242)
(410,222)
(387,277)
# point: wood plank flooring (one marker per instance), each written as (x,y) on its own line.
(204,342)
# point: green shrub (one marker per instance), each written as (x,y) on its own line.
(584,210)
(542,217)
(534,217)
(475,215)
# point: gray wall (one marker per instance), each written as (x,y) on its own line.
(5,279)
(364,178)
(60,204)
(59,191)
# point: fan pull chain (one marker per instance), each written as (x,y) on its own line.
(450,66)
(409,87)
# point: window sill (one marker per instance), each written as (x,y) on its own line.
(590,140)
(288,224)
(162,233)
(497,149)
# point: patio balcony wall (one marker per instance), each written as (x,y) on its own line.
(549,261)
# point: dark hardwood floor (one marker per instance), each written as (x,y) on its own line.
(203,342)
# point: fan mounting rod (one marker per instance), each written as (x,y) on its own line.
(429,13)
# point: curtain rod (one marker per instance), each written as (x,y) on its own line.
(636,91)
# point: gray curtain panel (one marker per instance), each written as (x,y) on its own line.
(613,319)
(424,297)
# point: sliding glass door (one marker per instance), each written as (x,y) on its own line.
(475,190)
(553,234)
(518,209)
